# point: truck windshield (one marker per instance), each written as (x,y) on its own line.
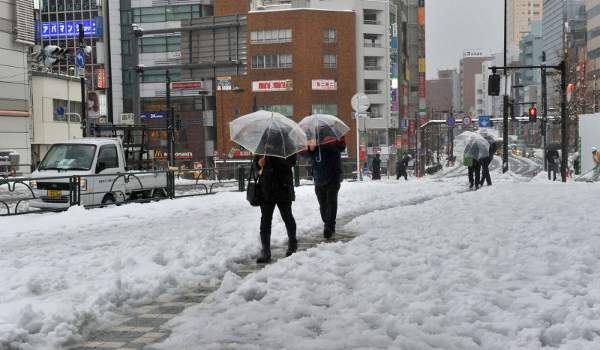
(68,156)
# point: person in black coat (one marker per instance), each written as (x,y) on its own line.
(277,189)
(376,166)
(553,158)
(485,165)
(475,171)
(327,174)
(401,167)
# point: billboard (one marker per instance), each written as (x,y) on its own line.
(272,85)
(70,29)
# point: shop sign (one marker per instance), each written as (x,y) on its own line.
(160,154)
(324,84)
(272,85)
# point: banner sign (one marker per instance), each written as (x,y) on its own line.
(160,154)
(224,84)
(153,115)
(324,84)
(70,29)
(272,85)
(189,85)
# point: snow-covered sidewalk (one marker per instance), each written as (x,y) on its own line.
(514,266)
(69,272)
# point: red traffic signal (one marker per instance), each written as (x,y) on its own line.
(532,114)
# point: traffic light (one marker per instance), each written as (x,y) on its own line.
(494,85)
(532,114)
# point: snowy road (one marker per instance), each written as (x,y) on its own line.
(64,274)
(514,266)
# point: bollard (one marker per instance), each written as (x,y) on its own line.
(296,175)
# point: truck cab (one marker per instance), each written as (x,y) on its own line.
(100,165)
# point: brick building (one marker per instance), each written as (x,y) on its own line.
(300,61)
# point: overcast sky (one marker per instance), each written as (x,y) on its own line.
(453,26)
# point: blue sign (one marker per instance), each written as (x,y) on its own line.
(484,121)
(451,121)
(70,29)
(404,124)
(153,115)
(80,58)
(60,110)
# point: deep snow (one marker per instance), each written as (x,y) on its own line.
(63,274)
(514,266)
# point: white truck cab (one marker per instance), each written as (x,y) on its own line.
(100,163)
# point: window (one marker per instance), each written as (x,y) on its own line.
(286,110)
(271,61)
(325,109)
(159,76)
(271,36)
(160,44)
(75,117)
(166,13)
(330,61)
(108,156)
(329,35)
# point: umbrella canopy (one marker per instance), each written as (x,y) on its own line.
(477,148)
(488,135)
(323,128)
(268,133)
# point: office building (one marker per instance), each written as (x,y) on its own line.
(17,37)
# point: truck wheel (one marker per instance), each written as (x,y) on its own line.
(158,194)
(108,199)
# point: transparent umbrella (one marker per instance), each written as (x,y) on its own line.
(477,148)
(268,133)
(323,128)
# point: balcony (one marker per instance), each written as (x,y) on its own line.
(371,22)
(373,44)
(373,68)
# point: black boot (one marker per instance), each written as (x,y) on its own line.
(264,258)
(328,233)
(292,246)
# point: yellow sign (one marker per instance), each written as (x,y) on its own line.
(422,65)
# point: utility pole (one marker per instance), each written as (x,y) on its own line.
(170,122)
(84,121)
(505,102)
(564,121)
(544,108)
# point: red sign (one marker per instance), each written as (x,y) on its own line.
(324,84)
(272,85)
(187,85)
(100,78)
(421,84)
(160,154)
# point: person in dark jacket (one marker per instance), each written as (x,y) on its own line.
(485,165)
(376,166)
(553,158)
(401,167)
(475,171)
(327,174)
(277,189)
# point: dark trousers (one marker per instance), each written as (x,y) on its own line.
(327,196)
(267,209)
(402,173)
(485,172)
(552,170)
(475,170)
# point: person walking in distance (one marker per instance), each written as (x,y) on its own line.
(596,159)
(401,167)
(376,166)
(485,165)
(553,159)
(327,174)
(277,189)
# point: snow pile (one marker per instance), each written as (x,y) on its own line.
(514,266)
(63,274)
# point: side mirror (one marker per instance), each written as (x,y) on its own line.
(100,166)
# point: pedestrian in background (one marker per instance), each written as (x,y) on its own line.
(474,174)
(552,159)
(277,189)
(376,166)
(596,159)
(401,167)
(327,174)
(485,165)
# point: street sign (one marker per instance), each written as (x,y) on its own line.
(484,121)
(466,121)
(60,110)
(153,115)
(451,121)
(360,102)
(80,58)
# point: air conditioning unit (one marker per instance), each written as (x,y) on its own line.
(126,119)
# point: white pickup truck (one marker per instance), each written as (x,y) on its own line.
(100,164)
